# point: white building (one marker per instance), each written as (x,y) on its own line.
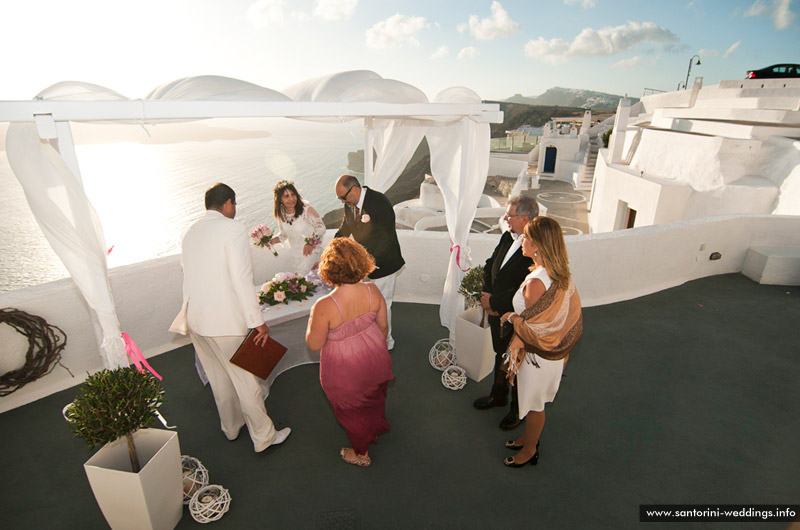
(568,149)
(732,148)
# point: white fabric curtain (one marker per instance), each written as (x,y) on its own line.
(394,142)
(59,203)
(459,163)
(70,224)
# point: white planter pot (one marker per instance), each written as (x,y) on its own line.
(474,351)
(149,499)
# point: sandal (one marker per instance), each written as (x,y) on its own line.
(362,461)
(512,445)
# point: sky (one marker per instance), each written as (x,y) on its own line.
(496,48)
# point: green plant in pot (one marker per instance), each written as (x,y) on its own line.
(115,403)
(471,286)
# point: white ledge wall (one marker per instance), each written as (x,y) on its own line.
(607,268)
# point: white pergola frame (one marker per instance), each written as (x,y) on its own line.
(52,118)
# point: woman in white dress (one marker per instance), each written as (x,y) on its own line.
(547,323)
(300,228)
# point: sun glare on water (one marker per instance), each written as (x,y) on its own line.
(126,184)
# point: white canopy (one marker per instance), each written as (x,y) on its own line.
(397,116)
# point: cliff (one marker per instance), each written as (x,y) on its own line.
(405,188)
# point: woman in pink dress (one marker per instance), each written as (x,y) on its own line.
(350,326)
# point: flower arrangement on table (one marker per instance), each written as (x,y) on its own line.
(314,241)
(286,287)
(261,236)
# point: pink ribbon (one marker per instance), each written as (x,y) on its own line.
(458,257)
(136,356)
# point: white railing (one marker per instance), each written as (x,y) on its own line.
(607,268)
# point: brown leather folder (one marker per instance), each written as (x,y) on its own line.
(259,361)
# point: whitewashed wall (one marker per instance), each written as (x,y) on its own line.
(567,155)
(660,200)
(655,201)
(607,268)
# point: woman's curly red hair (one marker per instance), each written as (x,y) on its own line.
(345,261)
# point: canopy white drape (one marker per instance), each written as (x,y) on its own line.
(394,142)
(48,171)
(460,164)
(70,224)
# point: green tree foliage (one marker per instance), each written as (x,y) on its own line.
(115,403)
(607,136)
(471,286)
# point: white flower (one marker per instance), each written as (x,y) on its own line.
(280,277)
(365,218)
(265,288)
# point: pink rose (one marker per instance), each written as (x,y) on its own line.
(280,277)
(280,296)
(303,288)
(265,288)
(365,218)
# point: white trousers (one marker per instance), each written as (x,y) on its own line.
(237,392)
(386,286)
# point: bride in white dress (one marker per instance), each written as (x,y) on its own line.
(300,227)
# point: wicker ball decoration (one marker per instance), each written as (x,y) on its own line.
(454,377)
(195,476)
(209,503)
(442,354)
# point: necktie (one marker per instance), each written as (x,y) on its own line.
(355,213)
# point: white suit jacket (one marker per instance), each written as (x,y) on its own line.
(218,288)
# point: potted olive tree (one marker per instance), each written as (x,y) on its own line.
(136,475)
(474,351)
(471,285)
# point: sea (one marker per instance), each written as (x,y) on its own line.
(148,194)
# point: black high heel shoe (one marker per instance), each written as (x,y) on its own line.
(511,445)
(509,461)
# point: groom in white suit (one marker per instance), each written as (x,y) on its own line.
(221,304)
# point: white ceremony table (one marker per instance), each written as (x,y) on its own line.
(287,324)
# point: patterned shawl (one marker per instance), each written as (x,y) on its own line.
(550,328)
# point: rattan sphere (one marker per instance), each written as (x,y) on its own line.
(454,377)
(442,354)
(195,476)
(209,503)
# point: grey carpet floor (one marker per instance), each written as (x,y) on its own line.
(687,396)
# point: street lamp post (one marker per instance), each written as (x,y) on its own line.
(686,83)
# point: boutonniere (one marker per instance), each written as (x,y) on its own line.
(365,218)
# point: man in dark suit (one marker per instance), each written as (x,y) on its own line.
(502,275)
(369,218)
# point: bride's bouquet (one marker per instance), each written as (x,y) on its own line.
(286,287)
(261,236)
(314,240)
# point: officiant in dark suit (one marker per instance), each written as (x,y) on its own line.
(503,273)
(369,219)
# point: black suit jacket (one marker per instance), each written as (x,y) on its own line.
(503,283)
(378,235)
